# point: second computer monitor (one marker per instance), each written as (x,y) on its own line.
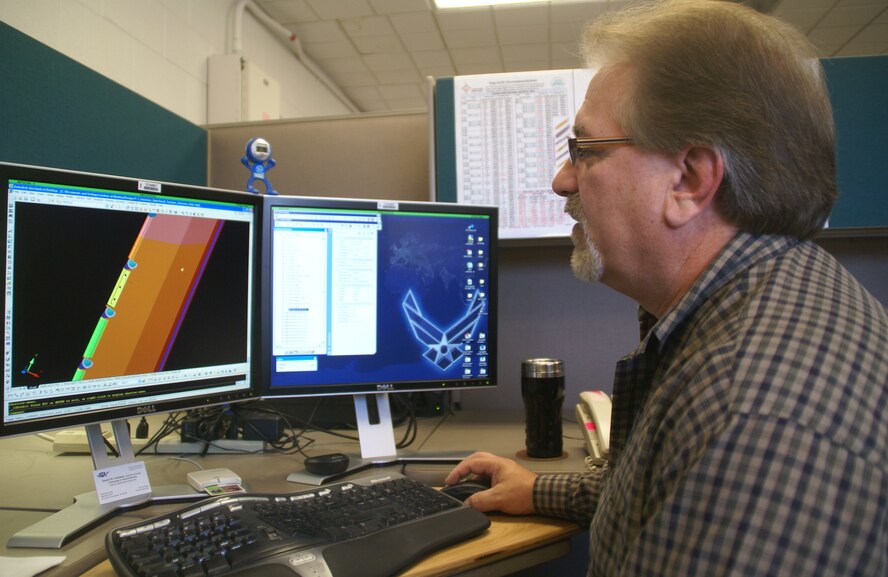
(376,296)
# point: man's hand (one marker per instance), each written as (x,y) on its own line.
(511,485)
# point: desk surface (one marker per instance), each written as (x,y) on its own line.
(35,482)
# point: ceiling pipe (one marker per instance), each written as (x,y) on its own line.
(291,40)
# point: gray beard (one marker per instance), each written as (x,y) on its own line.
(585,261)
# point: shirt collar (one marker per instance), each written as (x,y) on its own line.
(741,252)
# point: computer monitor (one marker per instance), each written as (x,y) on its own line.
(367,298)
(123,297)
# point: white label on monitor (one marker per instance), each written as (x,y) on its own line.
(121,482)
(147,186)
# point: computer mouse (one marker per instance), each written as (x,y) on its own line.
(329,464)
(466,488)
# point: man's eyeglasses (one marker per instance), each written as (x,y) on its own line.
(579,143)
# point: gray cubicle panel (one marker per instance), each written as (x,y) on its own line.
(381,156)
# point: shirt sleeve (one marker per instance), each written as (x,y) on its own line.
(572,496)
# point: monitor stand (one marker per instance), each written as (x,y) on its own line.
(86,512)
(376,432)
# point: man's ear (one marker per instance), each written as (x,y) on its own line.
(701,172)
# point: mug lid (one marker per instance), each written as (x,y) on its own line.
(542,368)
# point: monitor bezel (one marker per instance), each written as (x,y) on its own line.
(451,384)
(13,171)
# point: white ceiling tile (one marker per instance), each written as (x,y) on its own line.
(326,31)
(345,65)
(378,44)
(830,39)
(566,63)
(470,38)
(464,19)
(874,34)
(855,48)
(523,34)
(521,15)
(525,66)
(432,58)
(393,6)
(563,31)
(409,90)
(383,62)
(407,104)
(327,50)
(438,71)
(363,92)
(464,56)
(369,26)
(576,12)
(803,19)
(480,68)
(859,2)
(422,41)
(833,34)
(851,15)
(398,76)
(289,11)
(403,41)
(526,53)
(795,4)
(413,22)
(341,8)
(362,78)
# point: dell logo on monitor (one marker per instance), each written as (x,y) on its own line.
(385,387)
(146,409)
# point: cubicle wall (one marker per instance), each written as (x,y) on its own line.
(56,112)
(544,310)
(382,156)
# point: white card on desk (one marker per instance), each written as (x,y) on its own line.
(121,482)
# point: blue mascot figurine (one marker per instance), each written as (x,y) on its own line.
(258,161)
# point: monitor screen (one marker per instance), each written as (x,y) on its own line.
(376,296)
(123,297)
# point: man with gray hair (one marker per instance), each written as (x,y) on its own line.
(748,435)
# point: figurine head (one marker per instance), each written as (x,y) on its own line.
(258,150)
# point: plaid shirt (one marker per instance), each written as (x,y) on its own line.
(748,429)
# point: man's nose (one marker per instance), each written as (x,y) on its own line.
(565,181)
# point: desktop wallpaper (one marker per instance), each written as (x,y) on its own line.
(439,263)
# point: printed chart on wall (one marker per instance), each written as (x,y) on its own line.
(510,139)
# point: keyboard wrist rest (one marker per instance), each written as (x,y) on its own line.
(370,556)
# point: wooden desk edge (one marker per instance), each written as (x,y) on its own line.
(506,537)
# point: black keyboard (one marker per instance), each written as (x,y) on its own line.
(373,526)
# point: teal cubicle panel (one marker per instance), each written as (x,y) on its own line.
(858,90)
(56,112)
(445,141)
